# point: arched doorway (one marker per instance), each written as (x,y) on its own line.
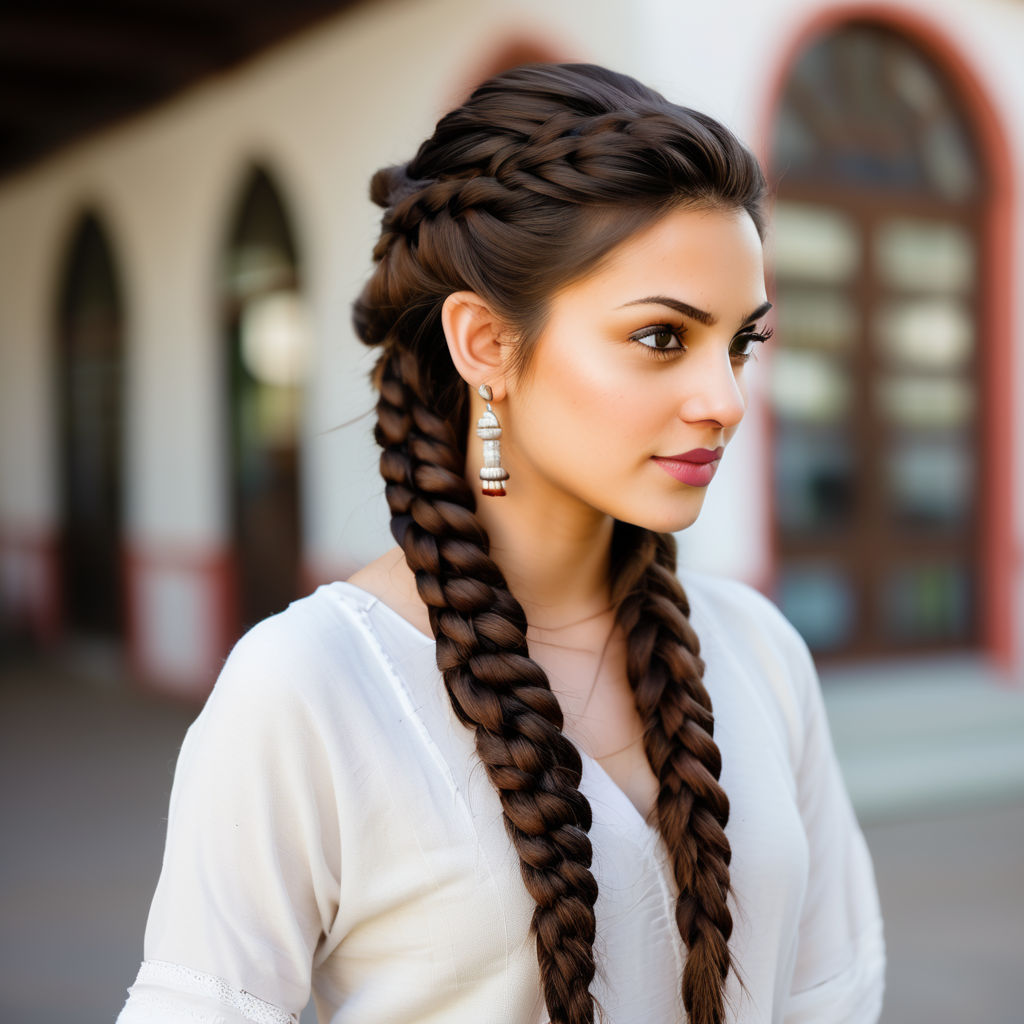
(266,358)
(90,408)
(877,387)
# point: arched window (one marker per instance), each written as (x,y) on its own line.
(267,355)
(90,409)
(876,386)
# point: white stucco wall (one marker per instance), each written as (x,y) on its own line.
(31,229)
(322,112)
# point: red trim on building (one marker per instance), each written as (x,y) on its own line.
(35,612)
(213,574)
(1002,561)
(509,51)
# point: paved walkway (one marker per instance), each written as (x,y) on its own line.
(85,771)
(927,735)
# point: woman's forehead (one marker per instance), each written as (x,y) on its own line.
(711,259)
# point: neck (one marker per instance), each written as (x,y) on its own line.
(556,559)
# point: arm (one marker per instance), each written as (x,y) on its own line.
(251,868)
(840,963)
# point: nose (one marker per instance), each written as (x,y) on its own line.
(714,393)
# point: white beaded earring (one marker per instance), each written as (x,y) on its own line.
(492,475)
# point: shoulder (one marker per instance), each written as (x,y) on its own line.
(305,695)
(315,651)
(307,634)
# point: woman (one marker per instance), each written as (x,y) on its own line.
(512,771)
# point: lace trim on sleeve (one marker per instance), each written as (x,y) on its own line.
(185,980)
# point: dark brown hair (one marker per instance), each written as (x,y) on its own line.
(524,188)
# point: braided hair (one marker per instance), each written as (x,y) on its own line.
(520,191)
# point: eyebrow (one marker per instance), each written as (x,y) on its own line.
(700,315)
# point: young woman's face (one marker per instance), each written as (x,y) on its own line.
(635,385)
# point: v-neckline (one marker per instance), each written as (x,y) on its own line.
(619,795)
(629,810)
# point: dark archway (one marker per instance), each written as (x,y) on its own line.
(90,393)
(266,361)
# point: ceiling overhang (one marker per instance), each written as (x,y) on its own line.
(71,68)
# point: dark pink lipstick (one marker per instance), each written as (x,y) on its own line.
(696,467)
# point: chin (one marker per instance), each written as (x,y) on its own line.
(669,520)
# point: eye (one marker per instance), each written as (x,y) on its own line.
(742,347)
(660,338)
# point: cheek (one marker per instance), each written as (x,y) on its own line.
(583,398)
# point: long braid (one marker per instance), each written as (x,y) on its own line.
(540,174)
(665,671)
(494,686)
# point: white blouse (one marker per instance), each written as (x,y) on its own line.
(331,829)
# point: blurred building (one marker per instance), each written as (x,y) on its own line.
(185,413)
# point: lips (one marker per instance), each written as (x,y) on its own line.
(695,468)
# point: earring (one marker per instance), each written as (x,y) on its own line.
(492,475)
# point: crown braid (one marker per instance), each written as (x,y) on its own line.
(543,171)
(564,160)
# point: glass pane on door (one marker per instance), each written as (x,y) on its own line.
(941,403)
(931,481)
(912,253)
(927,603)
(814,243)
(820,601)
(810,387)
(814,480)
(933,332)
(816,317)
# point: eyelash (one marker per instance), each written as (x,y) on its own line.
(759,337)
(653,331)
(679,333)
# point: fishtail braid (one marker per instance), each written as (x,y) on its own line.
(495,688)
(665,672)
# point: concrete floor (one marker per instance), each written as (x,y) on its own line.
(952,891)
(85,772)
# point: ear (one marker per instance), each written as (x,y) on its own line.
(474,334)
